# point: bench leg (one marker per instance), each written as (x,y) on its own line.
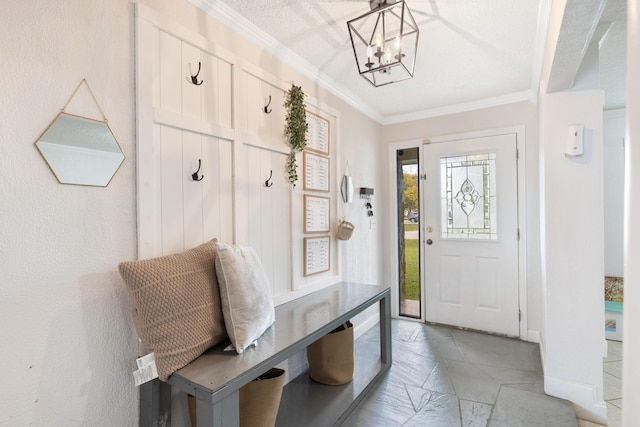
(220,414)
(155,404)
(385,330)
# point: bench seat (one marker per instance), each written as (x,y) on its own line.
(215,377)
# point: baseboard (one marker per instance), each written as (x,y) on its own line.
(365,323)
(583,396)
(533,336)
(543,355)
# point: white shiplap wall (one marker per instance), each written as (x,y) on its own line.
(222,123)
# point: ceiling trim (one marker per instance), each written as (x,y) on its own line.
(238,23)
(527,95)
(219,11)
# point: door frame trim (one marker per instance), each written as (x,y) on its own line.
(519,131)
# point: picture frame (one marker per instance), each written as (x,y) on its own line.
(318,133)
(316,169)
(317,214)
(317,255)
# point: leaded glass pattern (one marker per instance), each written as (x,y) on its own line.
(468,197)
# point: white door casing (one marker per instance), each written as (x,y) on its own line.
(471,274)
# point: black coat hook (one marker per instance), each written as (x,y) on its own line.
(266,107)
(194,79)
(267,183)
(194,175)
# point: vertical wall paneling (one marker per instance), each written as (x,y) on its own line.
(171,179)
(255,118)
(210,95)
(268,213)
(225,195)
(153,227)
(264,215)
(225,94)
(261,128)
(280,195)
(211,205)
(170,73)
(179,123)
(223,123)
(192,194)
(254,206)
(151,79)
(192,94)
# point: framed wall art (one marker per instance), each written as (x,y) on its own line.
(316,172)
(317,133)
(316,214)
(316,255)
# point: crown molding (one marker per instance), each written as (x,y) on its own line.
(236,22)
(219,11)
(616,113)
(512,98)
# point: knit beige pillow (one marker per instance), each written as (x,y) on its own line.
(176,301)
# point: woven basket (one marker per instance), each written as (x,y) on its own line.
(345,228)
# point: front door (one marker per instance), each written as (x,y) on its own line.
(470,233)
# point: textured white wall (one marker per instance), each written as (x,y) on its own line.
(573,248)
(69,342)
(67,336)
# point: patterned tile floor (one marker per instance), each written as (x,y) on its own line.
(444,377)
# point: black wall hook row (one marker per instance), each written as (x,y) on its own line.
(267,183)
(194,79)
(266,107)
(194,175)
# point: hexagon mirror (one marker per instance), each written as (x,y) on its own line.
(80,151)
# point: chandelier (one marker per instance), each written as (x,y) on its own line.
(385,42)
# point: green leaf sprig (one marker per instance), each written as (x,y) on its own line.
(295,129)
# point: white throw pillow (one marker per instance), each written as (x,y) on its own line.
(247,304)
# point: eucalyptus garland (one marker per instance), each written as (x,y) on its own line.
(295,129)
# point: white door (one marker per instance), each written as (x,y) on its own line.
(470,233)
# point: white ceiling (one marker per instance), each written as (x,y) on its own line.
(471,54)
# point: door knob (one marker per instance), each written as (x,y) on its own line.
(429,241)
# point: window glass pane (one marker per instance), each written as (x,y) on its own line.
(468,196)
(408,232)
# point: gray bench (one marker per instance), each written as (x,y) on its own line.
(215,377)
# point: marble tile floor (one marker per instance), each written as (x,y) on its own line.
(445,377)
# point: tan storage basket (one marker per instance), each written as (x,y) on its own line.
(331,357)
(259,400)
